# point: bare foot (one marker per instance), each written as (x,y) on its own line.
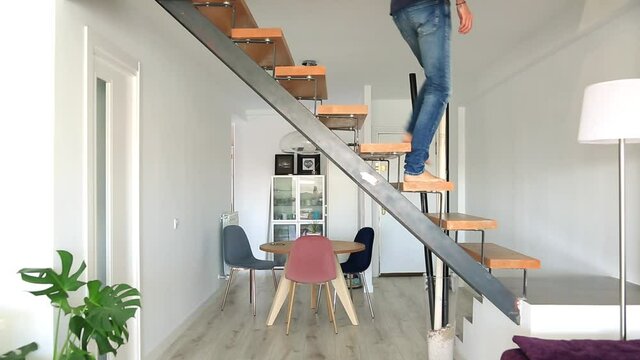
(424,177)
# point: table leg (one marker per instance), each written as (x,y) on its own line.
(343,293)
(278,299)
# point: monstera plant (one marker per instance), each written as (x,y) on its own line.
(21,353)
(101,318)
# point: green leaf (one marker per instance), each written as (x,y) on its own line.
(75,353)
(60,283)
(21,353)
(105,313)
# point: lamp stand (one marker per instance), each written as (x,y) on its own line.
(621,230)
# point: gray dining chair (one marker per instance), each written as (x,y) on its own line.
(238,255)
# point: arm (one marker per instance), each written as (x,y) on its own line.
(465,16)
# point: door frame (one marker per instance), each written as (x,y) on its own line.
(98,47)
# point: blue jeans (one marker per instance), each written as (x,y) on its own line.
(426,27)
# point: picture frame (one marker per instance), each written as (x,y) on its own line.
(284,164)
(308,164)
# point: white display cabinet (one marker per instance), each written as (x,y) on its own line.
(297,206)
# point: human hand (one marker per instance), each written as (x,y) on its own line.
(465,16)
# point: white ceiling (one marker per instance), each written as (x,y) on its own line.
(358,43)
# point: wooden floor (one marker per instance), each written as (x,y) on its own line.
(398,331)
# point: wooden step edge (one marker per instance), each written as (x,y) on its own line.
(342,117)
(499,257)
(298,71)
(355,110)
(260,53)
(417,186)
(460,222)
(256,33)
(384,148)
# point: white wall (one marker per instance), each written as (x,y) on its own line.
(342,205)
(554,198)
(187,100)
(26,145)
(258,135)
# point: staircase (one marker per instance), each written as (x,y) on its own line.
(557,307)
(261,58)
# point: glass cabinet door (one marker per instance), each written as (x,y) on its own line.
(311,202)
(284,198)
(283,232)
(311,229)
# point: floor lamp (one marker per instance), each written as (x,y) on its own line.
(611,115)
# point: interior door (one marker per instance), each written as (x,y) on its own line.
(400,251)
(113,142)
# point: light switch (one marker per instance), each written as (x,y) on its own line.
(176,223)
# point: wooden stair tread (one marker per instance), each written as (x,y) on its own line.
(295,79)
(222,16)
(418,186)
(342,117)
(498,257)
(381,152)
(262,54)
(385,148)
(458,221)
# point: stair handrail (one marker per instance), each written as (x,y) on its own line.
(304,121)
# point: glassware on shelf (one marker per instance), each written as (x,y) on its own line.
(297,204)
(283,232)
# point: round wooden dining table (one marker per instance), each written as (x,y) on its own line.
(339,247)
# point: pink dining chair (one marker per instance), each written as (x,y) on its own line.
(311,261)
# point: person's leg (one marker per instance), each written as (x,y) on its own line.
(430,20)
(407,27)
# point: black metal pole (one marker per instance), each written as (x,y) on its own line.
(428,261)
(447,278)
(413,87)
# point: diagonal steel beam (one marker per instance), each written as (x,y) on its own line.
(343,157)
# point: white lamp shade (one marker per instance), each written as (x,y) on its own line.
(294,142)
(610,112)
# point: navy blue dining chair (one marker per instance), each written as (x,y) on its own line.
(357,264)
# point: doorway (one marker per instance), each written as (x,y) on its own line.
(112,173)
(400,251)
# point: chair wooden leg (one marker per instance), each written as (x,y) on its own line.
(366,292)
(226,291)
(332,315)
(275,279)
(318,297)
(330,309)
(292,294)
(252,289)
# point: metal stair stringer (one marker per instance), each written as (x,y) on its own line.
(343,157)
